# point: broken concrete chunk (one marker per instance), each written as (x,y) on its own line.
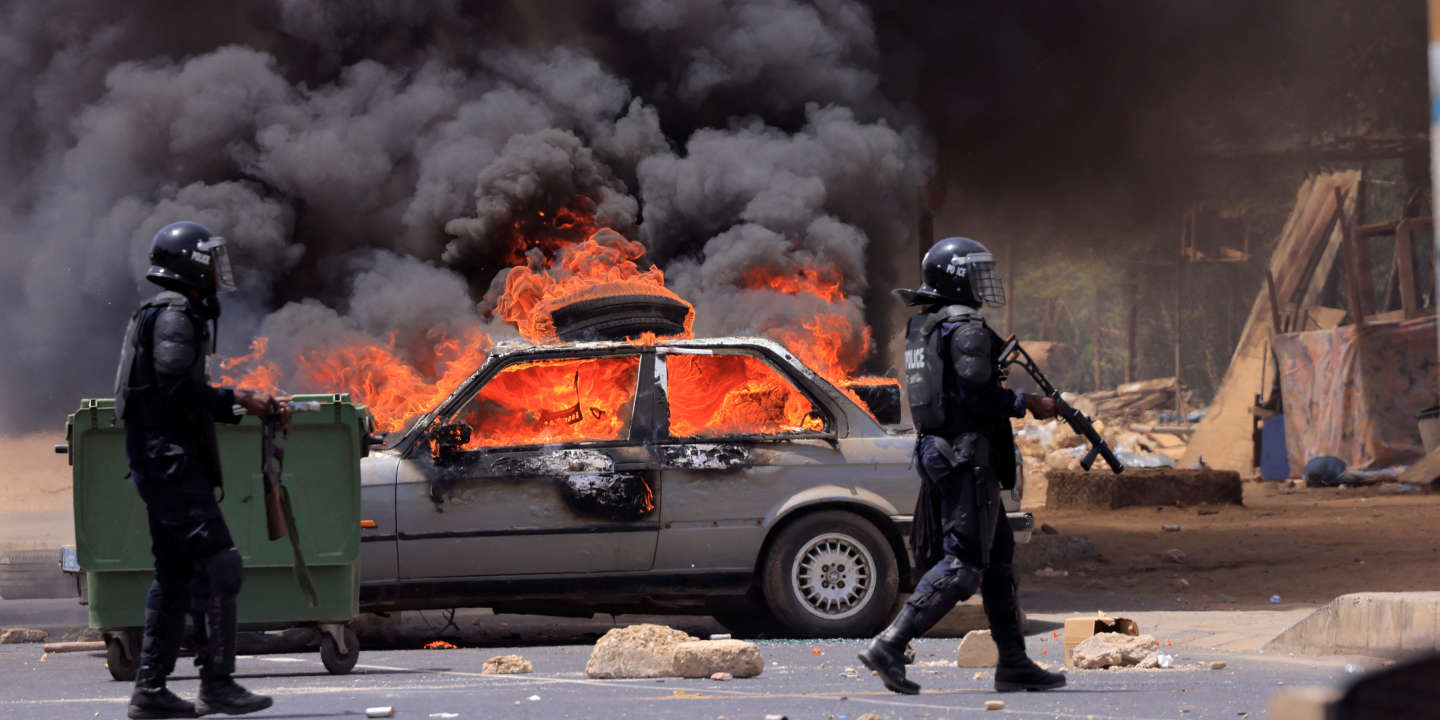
(1103,650)
(977,649)
(704,658)
(1217,665)
(507,665)
(22,635)
(637,651)
(994,704)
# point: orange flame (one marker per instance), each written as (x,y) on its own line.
(712,395)
(554,401)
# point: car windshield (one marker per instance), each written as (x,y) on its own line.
(554,400)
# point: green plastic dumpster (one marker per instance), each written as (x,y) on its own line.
(322,474)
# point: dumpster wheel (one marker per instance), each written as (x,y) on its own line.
(337,662)
(122,654)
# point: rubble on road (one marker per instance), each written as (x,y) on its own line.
(507,665)
(637,651)
(1108,649)
(22,635)
(977,649)
(651,651)
(705,658)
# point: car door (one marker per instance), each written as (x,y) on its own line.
(738,437)
(549,481)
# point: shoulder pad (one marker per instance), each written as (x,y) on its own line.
(176,345)
(970,352)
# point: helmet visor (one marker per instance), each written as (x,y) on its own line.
(985,279)
(220,261)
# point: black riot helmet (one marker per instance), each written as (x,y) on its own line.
(957,270)
(186,255)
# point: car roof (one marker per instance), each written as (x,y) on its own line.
(513,347)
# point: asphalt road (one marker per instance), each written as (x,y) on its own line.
(797,683)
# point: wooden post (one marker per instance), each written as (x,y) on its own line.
(1095,336)
(1352,261)
(1179,329)
(1275,326)
(1405,269)
(1133,292)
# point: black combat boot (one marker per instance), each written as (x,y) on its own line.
(886,654)
(221,694)
(151,699)
(1016,671)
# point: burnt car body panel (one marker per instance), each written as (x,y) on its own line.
(558,528)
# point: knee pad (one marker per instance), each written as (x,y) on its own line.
(950,581)
(226,572)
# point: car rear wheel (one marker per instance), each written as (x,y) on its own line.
(831,574)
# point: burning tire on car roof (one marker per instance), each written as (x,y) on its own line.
(617,317)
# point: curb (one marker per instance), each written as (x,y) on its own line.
(1372,623)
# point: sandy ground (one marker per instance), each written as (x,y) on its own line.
(1304,545)
(35,500)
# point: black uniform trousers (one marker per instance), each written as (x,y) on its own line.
(197,569)
(978,543)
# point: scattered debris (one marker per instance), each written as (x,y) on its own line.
(870,716)
(1048,529)
(994,704)
(776,717)
(1228,598)
(1353,668)
(1274,599)
(1170,528)
(507,665)
(1323,471)
(1110,649)
(977,676)
(379,712)
(13,636)
(444,715)
(1217,665)
(439,645)
(977,649)
(1176,555)
(720,636)
(1050,572)
(1078,629)
(533,698)
(721,676)
(81,646)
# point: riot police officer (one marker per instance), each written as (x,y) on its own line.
(164,396)
(965,454)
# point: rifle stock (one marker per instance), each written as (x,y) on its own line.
(1013,354)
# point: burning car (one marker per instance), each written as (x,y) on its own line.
(711,476)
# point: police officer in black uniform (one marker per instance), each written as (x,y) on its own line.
(163,393)
(965,454)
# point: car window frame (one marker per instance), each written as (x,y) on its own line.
(494,366)
(662,417)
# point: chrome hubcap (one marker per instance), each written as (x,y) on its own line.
(834,576)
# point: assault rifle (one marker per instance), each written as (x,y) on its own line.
(279,515)
(1013,354)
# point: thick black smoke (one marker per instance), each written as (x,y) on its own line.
(363,157)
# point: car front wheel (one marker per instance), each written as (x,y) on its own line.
(831,574)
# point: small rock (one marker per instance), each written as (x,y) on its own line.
(721,676)
(1103,650)
(977,676)
(776,717)
(1170,528)
(1217,665)
(1176,555)
(977,649)
(1180,584)
(22,635)
(703,658)
(994,704)
(1048,529)
(506,665)
(870,716)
